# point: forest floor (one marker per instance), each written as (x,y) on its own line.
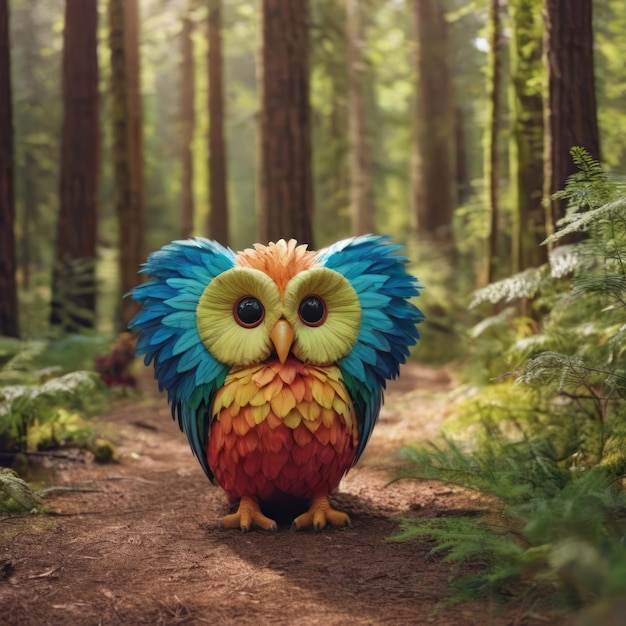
(146,546)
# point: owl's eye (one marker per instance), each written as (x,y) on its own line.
(313,311)
(248,312)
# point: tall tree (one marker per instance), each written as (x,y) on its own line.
(8,286)
(38,116)
(135,117)
(187,120)
(127,147)
(286,177)
(218,185)
(361,200)
(570,114)
(433,171)
(462,171)
(330,136)
(74,272)
(494,85)
(529,224)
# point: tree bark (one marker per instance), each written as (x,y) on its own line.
(361,201)
(462,174)
(529,224)
(9,325)
(433,167)
(286,178)
(187,121)
(127,150)
(135,123)
(30,172)
(218,185)
(74,272)
(494,80)
(570,114)
(330,135)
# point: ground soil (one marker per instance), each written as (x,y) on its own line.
(146,546)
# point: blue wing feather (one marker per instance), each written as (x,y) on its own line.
(388,323)
(168,336)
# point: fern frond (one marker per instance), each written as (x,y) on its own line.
(569,371)
(494,321)
(564,260)
(582,222)
(589,187)
(526,284)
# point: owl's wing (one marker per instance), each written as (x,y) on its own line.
(388,320)
(168,334)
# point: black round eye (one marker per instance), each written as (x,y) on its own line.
(249,312)
(312,311)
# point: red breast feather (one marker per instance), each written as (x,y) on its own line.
(282,431)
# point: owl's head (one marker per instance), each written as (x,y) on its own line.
(209,308)
(278,299)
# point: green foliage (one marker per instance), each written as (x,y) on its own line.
(545,439)
(556,536)
(73,298)
(42,396)
(589,188)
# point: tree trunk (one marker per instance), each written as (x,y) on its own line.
(74,272)
(218,188)
(187,121)
(570,114)
(529,224)
(331,145)
(286,185)
(463,180)
(433,168)
(361,201)
(135,121)
(127,151)
(8,287)
(494,73)
(29,172)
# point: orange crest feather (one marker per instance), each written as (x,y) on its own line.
(281,260)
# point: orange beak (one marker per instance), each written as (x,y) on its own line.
(282,337)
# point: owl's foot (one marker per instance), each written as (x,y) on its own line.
(320,514)
(248,515)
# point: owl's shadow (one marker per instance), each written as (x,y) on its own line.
(354,569)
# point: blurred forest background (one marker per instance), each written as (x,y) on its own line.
(489,136)
(443,123)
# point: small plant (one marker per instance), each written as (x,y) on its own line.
(40,404)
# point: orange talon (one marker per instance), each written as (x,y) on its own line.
(248,515)
(320,514)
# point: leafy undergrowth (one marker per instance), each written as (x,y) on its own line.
(48,391)
(544,433)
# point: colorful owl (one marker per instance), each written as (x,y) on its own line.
(275,360)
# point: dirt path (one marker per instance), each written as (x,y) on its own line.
(148,548)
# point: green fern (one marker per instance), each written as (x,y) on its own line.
(588,188)
(601,216)
(21,406)
(526,284)
(73,295)
(40,398)
(546,438)
(553,526)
